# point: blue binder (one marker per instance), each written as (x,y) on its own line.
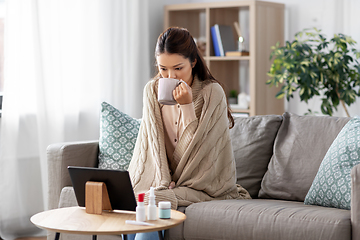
(215,41)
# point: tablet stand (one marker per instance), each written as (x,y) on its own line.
(96,197)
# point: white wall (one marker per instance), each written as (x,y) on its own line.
(332,16)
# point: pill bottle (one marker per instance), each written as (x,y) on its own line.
(164,210)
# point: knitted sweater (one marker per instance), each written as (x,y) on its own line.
(206,165)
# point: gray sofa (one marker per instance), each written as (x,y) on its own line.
(277,158)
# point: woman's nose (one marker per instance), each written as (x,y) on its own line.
(171,74)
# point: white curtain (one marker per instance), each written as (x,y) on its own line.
(62,59)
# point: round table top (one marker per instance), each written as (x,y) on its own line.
(75,220)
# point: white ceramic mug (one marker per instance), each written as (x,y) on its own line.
(165,90)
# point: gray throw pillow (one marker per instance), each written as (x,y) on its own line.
(252,141)
(118,133)
(332,184)
(300,145)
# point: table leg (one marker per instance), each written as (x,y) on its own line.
(94,237)
(57,236)
(161,237)
(124,237)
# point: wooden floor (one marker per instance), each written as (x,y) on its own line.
(31,238)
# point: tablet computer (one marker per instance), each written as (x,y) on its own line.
(117,182)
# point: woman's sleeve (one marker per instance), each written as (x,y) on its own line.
(188,118)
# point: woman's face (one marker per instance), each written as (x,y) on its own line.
(175,66)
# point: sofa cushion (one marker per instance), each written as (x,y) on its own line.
(118,133)
(332,184)
(265,219)
(67,198)
(252,141)
(300,145)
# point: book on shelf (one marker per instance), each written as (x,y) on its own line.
(239,110)
(223,39)
(214,36)
(239,114)
(236,53)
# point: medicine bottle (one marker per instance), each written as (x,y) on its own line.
(140,209)
(152,207)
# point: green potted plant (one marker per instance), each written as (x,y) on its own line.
(233,97)
(314,66)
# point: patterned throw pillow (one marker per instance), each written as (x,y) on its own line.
(118,133)
(332,184)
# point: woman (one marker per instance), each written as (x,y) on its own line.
(184,150)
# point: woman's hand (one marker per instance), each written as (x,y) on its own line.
(183,94)
(172,185)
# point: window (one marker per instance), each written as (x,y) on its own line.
(2,15)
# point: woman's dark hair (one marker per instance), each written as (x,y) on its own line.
(179,40)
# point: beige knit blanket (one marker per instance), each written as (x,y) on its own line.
(206,165)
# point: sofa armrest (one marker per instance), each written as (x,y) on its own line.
(355,202)
(62,155)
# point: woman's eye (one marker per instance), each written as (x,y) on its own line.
(163,69)
(177,68)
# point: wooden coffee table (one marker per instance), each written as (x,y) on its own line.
(76,221)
